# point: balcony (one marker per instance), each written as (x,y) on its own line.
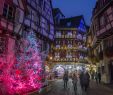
(105,31)
(105,27)
(82,60)
(101,8)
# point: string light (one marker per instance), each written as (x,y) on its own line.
(25,73)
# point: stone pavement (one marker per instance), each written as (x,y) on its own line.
(99,89)
(94,89)
(58,89)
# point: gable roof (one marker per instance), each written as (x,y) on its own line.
(74,21)
(56,11)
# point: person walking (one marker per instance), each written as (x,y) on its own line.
(79,88)
(86,80)
(99,77)
(92,75)
(74,81)
(96,77)
(65,78)
(81,79)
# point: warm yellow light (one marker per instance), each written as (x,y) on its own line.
(51,58)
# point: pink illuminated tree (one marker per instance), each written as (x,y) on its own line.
(26,73)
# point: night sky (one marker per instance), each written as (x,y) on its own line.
(72,8)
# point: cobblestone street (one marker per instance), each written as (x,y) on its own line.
(93,90)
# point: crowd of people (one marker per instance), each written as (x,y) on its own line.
(80,80)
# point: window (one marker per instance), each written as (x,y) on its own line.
(5,10)
(96,25)
(69,33)
(45,46)
(38,19)
(69,55)
(2,45)
(69,24)
(40,3)
(58,34)
(102,21)
(33,3)
(57,46)
(8,12)
(44,6)
(79,36)
(57,55)
(69,45)
(48,26)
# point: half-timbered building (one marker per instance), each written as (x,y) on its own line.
(70,36)
(101,38)
(26,32)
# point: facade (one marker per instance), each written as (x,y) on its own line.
(26,31)
(70,36)
(100,40)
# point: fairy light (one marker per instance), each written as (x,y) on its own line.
(25,74)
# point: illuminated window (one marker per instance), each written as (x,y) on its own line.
(69,46)
(69,33)
(57,46)
(69,55)
(79,36)
(84,38)
(58,34)
(80,46)
(57,55)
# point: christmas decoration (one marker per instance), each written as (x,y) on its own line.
(25,74)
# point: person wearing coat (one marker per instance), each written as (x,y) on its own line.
(81,79)
(74,81)
(99,77)
(86,80)
(65,78)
